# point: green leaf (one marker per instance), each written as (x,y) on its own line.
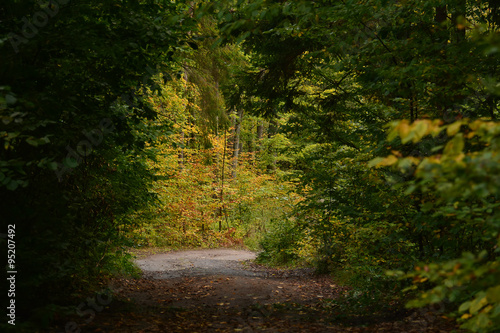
(408,137)
(405,163)
(10,99)
(32,142)
(493,294)
(70,162)
(496,311)
(243,37)
(375,162)
(52,165)
(478,303)
(393,132)
(455,146)
(464,307)
(483,320)
(417,303)
(12,185)
(6,180)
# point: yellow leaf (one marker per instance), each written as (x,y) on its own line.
(487,309)
(375,162)
(389,160)
(453,128)
(470,135)
(435,127)
(420,129)
(404,130)
(413,160)
(477,304)
(476,124)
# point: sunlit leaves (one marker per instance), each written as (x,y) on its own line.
(415,131)
(465,173)
(454,147)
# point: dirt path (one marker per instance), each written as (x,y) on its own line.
(222,278)
(220,290)
(197,263)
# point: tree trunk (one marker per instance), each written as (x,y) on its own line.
(441,14)
(223,208)
(260,133)
(236,142)
(273,128)
(181,152)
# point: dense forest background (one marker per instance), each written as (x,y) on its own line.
(360,137)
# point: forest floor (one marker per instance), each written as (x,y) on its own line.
(222,290)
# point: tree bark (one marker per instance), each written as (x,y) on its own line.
(223,207)
(260,133)
(441,14)
(273,128)
(236,142)
(181,152)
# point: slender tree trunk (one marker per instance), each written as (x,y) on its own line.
(223,208)
(236,142)
(182,136)
(181,152)
(260,133)
(273,128)
(441,14)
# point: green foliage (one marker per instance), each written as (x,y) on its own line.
(462,176)
(127,134)
(73,135)
(281,242)
(194,208)
(342,71)
(469,282)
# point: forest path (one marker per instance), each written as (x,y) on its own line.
(221,290)
(201,262)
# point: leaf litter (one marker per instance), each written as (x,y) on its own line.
(251,298)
